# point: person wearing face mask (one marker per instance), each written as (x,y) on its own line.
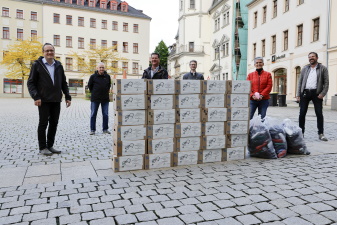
(261,85)
(155,71)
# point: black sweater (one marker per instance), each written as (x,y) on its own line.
(99,86)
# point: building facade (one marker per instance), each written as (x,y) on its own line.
(78,25)
(283,32)
(332,47)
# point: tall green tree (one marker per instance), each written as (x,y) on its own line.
(163,51)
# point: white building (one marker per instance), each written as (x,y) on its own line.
(74,25)
(284,32)
(332,47)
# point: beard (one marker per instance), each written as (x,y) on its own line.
(312,62)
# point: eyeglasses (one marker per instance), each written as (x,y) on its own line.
(49,51)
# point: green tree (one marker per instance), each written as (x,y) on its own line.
(163,51)
(19,57)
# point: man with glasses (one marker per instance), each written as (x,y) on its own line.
(46,84)
(193,75)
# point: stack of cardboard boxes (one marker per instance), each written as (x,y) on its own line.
(165,123)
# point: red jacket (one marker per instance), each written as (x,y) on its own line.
(260,83)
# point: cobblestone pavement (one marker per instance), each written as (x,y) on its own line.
(293,190)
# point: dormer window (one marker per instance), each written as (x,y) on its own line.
(91,3)
(56,0)
(80,2)
(69,1)
(113,5)
(124,7)
(102,4)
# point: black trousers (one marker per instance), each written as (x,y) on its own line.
(49,113)
(306,97)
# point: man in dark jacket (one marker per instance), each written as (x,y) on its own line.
(46,83)
(193,75)
(99,85)
(155,71)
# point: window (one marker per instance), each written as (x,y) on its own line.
(114,64)
(192,4)
(299,34)
(12,86)
(286,5)
(226,18)
(115,45)
(19,34)
(19,14)
(225,48)
(135,68)
(69,41)
(275,9)
(33,34)
(216,53)
(125,66)
(273,46)
(92,3)
(298,74)
(125,27)
(191,46)
(69,19)
(135,48)
(114,25)
(5,32)
(56,18)
(81,21)
(69,63)
(285,40)
(80,64)
(103,5)
(75,86)
(316,29)
(135,28)
(300,2)
(181,4)
(80,2)
(125,47)
(57,40)
(92,43)
(264,18)
(5,12)
(104,43)
(254,50)
(92,64)
(124,7)
(113,5)
(68,1)
(217,24)
(104,24)
(33,15)
(81,43)
(255,19)
(263,48)
(93,22)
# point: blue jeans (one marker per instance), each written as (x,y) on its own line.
(105,113)
(260,105)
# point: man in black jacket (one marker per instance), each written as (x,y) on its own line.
(193,75)
(99,85)
(46,83)
(155,71)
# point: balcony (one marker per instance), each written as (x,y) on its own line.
(183,49)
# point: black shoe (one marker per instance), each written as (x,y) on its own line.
(46,152)
(53,150)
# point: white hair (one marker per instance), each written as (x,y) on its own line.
(99,64)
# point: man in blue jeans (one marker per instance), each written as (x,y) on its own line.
(99,85)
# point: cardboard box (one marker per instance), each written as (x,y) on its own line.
(214,87)
(235,153)
(238,114)
(122,133)
(213,142)
(159,131)
(237,127)
(185,158)
(237,100)
(214,114)
(161,87)
(161,102)
(188,144)
(161,116)
(127,102)
(156,146)
(191,101)
(213,101)
(237,140)
(132,117)
(188,129)
(156,161)
(126,163)
(211,155)
(188,115)
(213,128)
(125,148)
(129,86)
(238,86)
(188,87)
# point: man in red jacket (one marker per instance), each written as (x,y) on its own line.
(262,83)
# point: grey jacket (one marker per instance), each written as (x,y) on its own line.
(322,80)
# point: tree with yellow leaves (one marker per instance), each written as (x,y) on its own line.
(18,59)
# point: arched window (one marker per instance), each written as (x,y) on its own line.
(298,74)
(280,81)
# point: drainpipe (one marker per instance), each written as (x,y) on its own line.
(328,43)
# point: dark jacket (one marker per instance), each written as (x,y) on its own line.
(261,83)
(322,80)
(40,84)
(161,74)
(190,76)
(99,86)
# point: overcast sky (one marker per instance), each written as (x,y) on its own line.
(164,23)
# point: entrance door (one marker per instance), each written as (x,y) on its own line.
(280,81)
